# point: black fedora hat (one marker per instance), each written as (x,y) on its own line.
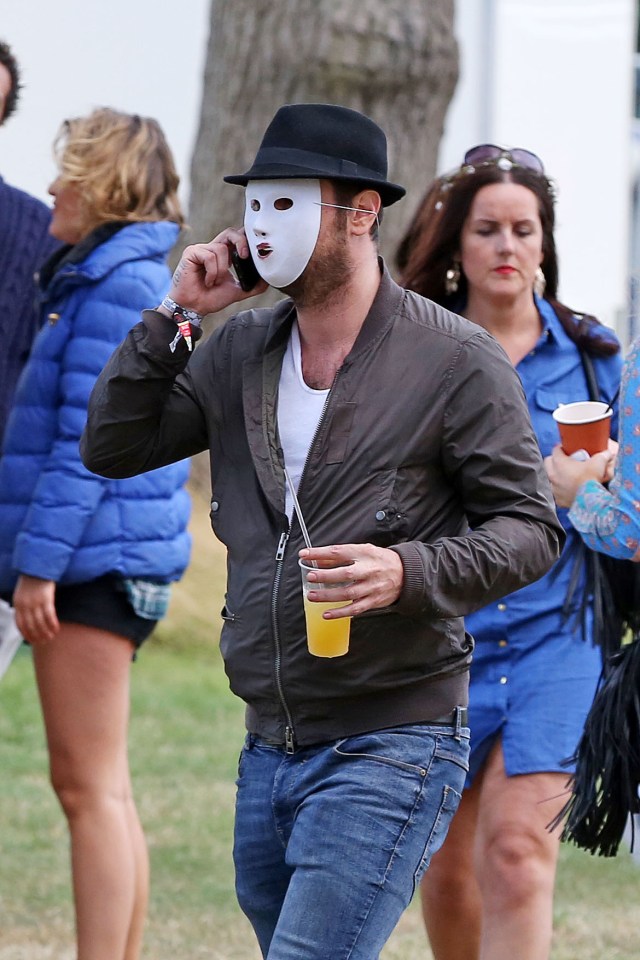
(323,140)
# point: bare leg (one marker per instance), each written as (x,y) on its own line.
(488,894)
(516,859)
(141,890)
(83,679)
(451,903)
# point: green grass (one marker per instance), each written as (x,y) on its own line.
(186,732)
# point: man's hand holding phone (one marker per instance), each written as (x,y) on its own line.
(246,270)
(203,280)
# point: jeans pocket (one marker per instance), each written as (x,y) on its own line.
(456,751)
(241,758)
(390,748)
(448,806)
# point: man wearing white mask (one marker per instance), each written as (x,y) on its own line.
(405,432)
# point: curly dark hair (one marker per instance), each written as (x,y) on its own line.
(8,60)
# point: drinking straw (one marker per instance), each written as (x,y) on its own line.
(303,525)
(613,400)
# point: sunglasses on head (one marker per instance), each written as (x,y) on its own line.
(488,153)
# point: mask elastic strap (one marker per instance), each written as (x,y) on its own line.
(339,206)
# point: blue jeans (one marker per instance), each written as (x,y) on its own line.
(331,841)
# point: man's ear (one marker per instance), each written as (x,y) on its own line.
(367,201)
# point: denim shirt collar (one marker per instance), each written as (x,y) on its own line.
(552,329)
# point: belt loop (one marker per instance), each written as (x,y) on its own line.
(458,735)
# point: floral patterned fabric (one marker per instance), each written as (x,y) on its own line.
(609,519)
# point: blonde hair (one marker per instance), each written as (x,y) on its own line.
(122,165)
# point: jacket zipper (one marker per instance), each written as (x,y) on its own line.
(289,733)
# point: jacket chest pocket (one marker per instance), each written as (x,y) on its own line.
(338,439)
(545,401)
(388,509)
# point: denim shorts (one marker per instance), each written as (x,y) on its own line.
(331,842)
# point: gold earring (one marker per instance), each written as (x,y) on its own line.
(539,283)
(452,279)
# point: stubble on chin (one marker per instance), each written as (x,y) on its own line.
(324,277)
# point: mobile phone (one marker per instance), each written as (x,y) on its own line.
(246,270)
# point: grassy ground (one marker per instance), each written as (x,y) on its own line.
(186,732)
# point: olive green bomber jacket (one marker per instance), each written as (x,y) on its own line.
(425,446)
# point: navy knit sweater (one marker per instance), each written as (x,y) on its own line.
(25,244)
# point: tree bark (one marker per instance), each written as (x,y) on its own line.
(394,60)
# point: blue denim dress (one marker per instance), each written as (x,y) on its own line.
(535,669)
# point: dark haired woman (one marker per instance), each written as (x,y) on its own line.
(482,244)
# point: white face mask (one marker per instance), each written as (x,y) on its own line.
(282,223)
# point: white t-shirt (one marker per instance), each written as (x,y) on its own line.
(299,411)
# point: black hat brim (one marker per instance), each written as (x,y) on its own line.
(389,192)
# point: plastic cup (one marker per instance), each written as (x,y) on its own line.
(325,638)
(584,425)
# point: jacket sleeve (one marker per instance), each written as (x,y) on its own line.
(608,518)
(491,457)
(143,411)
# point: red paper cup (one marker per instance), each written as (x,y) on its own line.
(584,425)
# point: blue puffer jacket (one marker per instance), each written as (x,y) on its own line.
(58,521)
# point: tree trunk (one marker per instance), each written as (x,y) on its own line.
(394,60)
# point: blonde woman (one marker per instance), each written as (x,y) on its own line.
(89,561)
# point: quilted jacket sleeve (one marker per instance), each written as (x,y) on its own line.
(67,494)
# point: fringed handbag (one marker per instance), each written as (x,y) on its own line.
(604,788)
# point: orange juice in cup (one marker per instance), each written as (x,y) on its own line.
(325,638)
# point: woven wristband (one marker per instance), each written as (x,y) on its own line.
(177,311)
